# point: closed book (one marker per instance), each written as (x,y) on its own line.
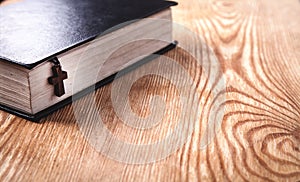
(42,43)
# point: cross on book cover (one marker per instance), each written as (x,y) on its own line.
(41,41)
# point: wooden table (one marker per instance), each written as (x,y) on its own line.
(257,44)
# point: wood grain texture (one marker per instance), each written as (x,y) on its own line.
(258,45)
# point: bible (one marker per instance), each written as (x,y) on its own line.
(42,42)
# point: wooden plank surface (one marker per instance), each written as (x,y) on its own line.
(257,44)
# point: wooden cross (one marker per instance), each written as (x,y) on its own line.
(58,80)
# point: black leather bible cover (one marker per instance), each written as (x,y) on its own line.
(33,31)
